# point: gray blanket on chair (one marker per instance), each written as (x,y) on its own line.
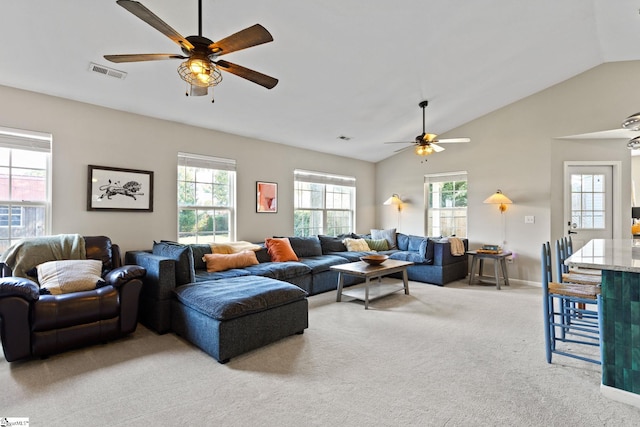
(29,253)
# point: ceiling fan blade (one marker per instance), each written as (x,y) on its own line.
(453,140)
(150,18)
(243,39)
(246,73)
(138,57)
(400,142)
(436,147)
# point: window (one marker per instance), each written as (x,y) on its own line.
(588,201)
(24,185)
(323,204)
(446,196)
(206,199)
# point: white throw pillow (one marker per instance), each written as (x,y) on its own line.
(356,245)
(61,277)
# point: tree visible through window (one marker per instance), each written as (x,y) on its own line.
(446,204)
(24,185)
(323,204)
(206,199)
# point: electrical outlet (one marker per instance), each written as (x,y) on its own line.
(509,260)
(529,219)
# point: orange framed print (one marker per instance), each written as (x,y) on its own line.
(267,197)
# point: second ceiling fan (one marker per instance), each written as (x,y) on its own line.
(427,143)
(201,68)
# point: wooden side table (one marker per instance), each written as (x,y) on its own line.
(499,263)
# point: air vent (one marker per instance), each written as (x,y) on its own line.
(106,71)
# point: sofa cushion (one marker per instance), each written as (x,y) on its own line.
(389,235)
(279,270)
(182,255)
(355,245)
(204,276)
(351,256)
(240,296)
(305,246)
(222,262)
(377,244)
(322,263)
(414,243)
(199,250)
(280,249)
(331,244)
(66,276)
(408,256)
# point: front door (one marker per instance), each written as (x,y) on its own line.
(588,202)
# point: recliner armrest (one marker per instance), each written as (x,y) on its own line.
(121,275)
(19,287)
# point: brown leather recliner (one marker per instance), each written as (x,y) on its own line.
(39,325)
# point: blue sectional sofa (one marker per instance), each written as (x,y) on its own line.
(171,266)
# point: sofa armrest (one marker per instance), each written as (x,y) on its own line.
(442,253)
(160,278)
(121,275)
(19,287)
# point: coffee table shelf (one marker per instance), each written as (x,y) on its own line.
(369,291)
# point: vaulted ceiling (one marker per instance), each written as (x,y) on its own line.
(345,67)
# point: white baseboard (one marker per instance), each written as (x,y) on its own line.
(620,395)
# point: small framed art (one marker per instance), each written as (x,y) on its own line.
(267,197)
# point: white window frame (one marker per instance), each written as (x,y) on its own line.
(324,180)
(213,163)
(25,140)
(444,177)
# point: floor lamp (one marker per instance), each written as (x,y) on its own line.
(395,201)
(500,199)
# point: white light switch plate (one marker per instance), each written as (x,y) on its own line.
(529,219)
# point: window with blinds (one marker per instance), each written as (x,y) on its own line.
(25,204)
(446,195)
(206,199)
(323,203)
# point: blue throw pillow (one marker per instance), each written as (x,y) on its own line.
(183,256)
(414,243)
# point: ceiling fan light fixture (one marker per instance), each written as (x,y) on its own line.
(632,122)
(634,144)
(199,71)
(423,150)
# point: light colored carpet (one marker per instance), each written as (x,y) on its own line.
(443,356)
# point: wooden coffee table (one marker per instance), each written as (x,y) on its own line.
(362,269)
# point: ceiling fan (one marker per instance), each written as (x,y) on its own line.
(427,143)
(201,69)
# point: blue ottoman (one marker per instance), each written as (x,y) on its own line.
(228,317)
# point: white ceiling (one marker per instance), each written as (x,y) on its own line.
(346,67)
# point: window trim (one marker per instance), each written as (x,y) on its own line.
(322,178)
(443,177)
(213,163)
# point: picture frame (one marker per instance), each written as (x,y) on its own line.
(118,189)
(266,197)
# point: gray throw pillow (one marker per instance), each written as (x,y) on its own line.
(389,235)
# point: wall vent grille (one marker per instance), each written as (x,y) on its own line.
(106,71)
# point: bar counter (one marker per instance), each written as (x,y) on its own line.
(619,260)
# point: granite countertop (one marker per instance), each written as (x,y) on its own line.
(608,254)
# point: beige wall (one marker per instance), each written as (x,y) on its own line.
(514,149)
(84,134)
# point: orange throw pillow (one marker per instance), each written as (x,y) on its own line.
(280,249)
(222,262)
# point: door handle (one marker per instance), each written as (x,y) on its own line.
(571,232)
